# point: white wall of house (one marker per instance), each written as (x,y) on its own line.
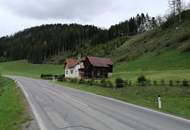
(72,72)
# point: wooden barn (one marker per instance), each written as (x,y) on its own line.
(88,67)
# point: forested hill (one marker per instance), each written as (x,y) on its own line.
(39,44)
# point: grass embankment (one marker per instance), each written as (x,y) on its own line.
(176,100)
(169,65)
(13,112)
(23,68)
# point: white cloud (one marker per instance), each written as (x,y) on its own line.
(19,14)
(61,9)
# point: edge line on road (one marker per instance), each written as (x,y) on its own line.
(39,120)
(135,106)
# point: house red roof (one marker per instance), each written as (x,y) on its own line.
(100,62)
(70,63)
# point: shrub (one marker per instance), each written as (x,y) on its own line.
(155,83)
(125,82)
(183,37)
(97,83)
(61,77)
(148,82)
(129,83)
(81,81)
(142,80)
(178,83)
(90,82)
(110,84)
(163,82)
(103,83)
(171,83)
(119,83)
(73,80)
(47,76)
(185,83)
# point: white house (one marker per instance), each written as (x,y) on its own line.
(88,67)
(72,67)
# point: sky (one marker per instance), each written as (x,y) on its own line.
(16,15)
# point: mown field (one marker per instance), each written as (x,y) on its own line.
(23,68)
(13,112)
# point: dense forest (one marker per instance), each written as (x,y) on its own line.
(38,44)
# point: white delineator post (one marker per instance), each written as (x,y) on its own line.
(159,102)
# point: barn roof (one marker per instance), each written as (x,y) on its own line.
(70,63)
(100,62)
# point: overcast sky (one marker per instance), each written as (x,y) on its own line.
(16,15)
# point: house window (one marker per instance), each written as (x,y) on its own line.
(71,71)
(66,72)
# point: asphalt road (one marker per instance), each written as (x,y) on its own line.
(60,108)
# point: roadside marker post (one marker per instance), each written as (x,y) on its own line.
(159,102)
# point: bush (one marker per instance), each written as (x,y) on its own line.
(47,76)
(126,83)
(183,37)
(155,83)
(162,82)
(129,83)
(110,84)
(148,82)
(119,83)
(91,82)
(103,83)
(178,83)
(185,83)
(142,80)
(81,81)
(73,80)
(171,83)
(61,78)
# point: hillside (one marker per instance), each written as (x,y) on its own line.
(47,43)
(160,53)
(174,36)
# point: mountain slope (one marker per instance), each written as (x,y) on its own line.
(176,36)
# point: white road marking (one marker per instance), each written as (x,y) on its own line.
(140,107)
(35,112)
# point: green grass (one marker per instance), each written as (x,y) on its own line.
(176,100)
(13,111)
(169,65)
(171,59)
(23,68)
(155,42)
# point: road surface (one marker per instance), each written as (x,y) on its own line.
(60,108)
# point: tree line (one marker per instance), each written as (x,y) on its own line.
(37,44)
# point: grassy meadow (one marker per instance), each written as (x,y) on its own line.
(169,65)
(23,68)
(13,112)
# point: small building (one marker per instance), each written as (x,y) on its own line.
(88,67)
(72,68)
